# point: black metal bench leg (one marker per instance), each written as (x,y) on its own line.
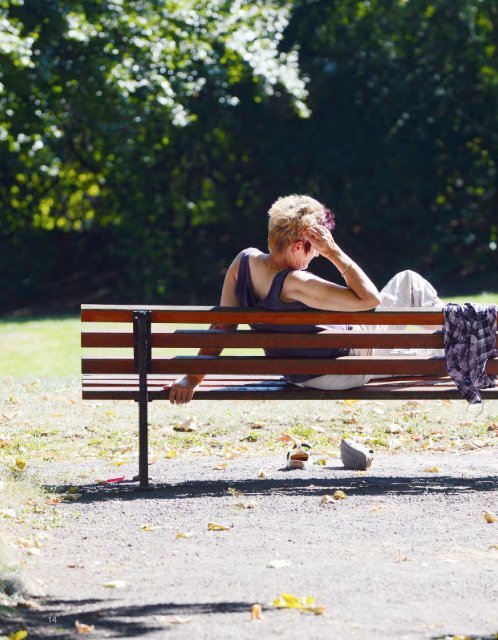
(142,332)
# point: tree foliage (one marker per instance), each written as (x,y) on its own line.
(142,141)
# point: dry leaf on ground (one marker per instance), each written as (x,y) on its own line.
(431,470)
(489,517)
(83,628)
(246,505)
(18,635)
(185,535)
(327,499)
(149,527)
(188,425)
(221,466)
(321,462)
(256,612)
(287,438)
(215,526)
(70,497)
(339,495)
(115,584)
(302,603)
(262,474)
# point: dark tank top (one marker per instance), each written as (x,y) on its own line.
(272,302)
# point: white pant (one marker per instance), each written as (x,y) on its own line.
(407,289)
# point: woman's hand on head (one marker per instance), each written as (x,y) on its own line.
(182,390)
(320,239)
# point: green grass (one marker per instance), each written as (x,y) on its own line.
(50,346)
(40,346)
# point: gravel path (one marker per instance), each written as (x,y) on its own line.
(406,555)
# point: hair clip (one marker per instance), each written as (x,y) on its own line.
(329,221)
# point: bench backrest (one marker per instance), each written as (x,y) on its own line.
(159,330)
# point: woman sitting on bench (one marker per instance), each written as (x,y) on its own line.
(299,230)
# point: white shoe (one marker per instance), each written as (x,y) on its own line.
(299,456)
(355,455)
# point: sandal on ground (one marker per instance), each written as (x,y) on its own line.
(299,456)
(355,455)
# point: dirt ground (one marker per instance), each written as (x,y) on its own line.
(406,555)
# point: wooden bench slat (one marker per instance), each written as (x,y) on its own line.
(252,339)
(423,389)
(210,315)
(260,364)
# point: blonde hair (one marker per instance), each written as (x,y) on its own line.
(289,217)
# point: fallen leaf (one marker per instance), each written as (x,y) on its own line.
(493,427)
(115,584)
(257,425)
(214,526)
(489,517)
(178,619)
(262,474)
(376,508)
(402,559)
(9,416)
(185,535)
(171,453)
(493,547)
(287,438)
(246,505)
(256,612)
(70,497)
(188,425)
(83,628)
(278,564)
(339,495)
(431,470)
(18,635)
(252,437)
(321,462)
(149,527)
(221,466)
(326,499)
(303,603)
(20,463)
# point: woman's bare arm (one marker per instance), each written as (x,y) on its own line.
(182,390)
(360,294)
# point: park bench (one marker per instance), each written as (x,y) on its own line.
(142,373)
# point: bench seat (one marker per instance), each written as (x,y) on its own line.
(102,387)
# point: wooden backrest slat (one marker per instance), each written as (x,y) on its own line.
(255,340)
(106,339)
(212,315)
(260,364)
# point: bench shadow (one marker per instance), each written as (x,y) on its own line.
(362,485)
(56,618)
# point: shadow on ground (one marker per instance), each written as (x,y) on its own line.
(371,485)
(56,618)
